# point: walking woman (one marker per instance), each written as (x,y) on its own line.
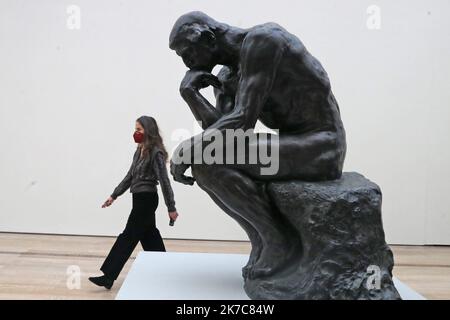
(148,167)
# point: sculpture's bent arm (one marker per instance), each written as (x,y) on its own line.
(260,58)
(202,110)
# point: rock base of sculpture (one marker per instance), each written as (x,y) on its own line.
(340,252)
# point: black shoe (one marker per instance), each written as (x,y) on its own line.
(102,281)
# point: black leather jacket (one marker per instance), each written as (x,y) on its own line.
(144,174)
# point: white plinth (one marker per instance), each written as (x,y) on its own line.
(196,276)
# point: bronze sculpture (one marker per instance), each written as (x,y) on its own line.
(269,75)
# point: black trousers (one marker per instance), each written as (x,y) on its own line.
(141,226)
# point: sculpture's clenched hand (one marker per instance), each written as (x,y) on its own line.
(198,79)
(178,167)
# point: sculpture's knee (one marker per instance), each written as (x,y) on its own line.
(329,162)
(211,175)
(202,173)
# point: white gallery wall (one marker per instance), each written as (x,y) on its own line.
(69,99)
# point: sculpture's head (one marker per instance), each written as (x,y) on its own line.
(193,38)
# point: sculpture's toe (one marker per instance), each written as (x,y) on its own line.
(260,271)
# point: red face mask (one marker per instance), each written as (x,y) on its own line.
(138,137)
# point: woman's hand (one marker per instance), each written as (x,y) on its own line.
(108,202)
(173,215)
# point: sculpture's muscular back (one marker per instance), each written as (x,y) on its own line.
(300,99)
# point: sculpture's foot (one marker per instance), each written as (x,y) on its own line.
(254,256)
(248,266)
(258,271)
(246,270)
(267,265)
(270,260)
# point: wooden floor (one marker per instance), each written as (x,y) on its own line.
(36,266)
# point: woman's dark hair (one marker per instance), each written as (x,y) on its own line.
(152,136)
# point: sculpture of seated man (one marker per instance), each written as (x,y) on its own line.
(267,75)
